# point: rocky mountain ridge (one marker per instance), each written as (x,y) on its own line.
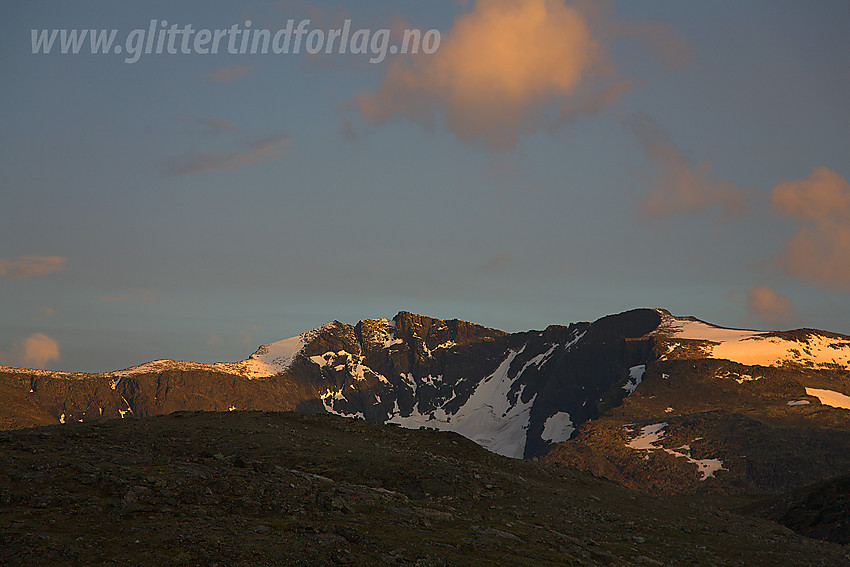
(653,401)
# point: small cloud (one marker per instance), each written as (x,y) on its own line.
(769,306)
(31,266)
(36,351)
(820,251)
(39,349)
(138,295)
(680,186)
(230,73)
(256,152)
(498,261)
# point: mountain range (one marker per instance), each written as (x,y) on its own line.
(652,401)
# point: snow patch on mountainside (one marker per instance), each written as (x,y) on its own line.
(648,437)
(489,417)
(156,366)
(343,360)
(682,328)
(740,378)
(635,378)
(558,427)
(830,398)
(273,358)
(651,435)
(757,348)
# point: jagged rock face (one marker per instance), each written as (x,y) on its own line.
(500,390)
(512,393)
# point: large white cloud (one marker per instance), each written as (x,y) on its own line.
(505,68)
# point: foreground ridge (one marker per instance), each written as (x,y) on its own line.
(248,488)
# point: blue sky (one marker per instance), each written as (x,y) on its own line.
(550,162)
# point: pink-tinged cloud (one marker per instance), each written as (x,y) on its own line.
(36,351)
(230,73)
(680,186)
(256,152)
(820,251)
(138,295)
(506,68)
(31,266)
(769,306)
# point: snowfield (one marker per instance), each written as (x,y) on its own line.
(830,398)
(489,417)
(757,348)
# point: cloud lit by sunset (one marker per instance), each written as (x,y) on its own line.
(499,71)
(820,251)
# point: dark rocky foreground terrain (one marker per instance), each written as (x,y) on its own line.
(821,511)
(255,488)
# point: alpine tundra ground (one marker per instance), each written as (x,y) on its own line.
(255,488)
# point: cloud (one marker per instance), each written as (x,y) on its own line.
(31,266)
(499,260)
(506,68)
(39,349)
(138,295)
(36,351)
(820,251)
(256,152)
(230,73)
(680,186)
(769,306)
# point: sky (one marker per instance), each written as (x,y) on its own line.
(538,162)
